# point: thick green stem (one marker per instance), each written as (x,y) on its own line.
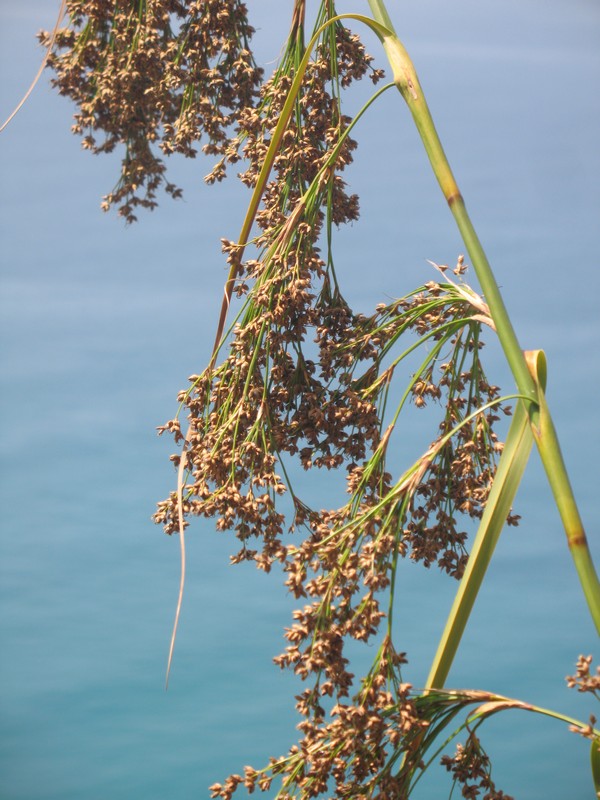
(544,433)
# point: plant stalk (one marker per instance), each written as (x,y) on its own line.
(540,420)
(511,467)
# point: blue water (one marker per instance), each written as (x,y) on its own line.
(101,325)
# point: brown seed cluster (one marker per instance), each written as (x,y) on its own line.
(301,378)
(315,127)
(154,76)
(269,396)
(268,402)
(458,477)
(584,680)
(305,378)
(471,769)
(453,479)
(349,755)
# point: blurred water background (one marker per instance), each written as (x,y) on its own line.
(100,326)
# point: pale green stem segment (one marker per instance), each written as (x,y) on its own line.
(511,467)
(543,429)
(546,439)
(407,82)
(595,762)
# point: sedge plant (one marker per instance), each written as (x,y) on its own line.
(299,381)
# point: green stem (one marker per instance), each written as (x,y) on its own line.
(546,439)
(489,704)
(544,432)
(407,82)
(506,482)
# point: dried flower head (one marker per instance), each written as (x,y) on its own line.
(156,78)
(584,680)
(471,770)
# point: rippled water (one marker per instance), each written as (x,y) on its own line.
(100,327)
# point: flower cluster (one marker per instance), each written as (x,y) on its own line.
(154,76)
(357,751)
(267,402)
(301,381)
(471,769)
(584,679)
(269,396)
(453,479)
(306,379)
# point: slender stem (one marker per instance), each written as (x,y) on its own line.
(547,442)
(544,432)
(407,81)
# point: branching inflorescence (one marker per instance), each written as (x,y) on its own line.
(299,379)
(154,76)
